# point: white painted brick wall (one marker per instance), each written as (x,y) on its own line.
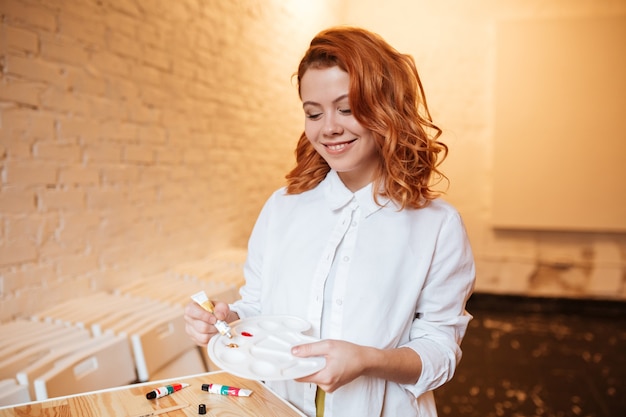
(138,136)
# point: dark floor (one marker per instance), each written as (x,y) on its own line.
(526,357)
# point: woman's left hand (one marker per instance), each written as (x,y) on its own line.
(345,362)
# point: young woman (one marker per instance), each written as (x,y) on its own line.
(358,243)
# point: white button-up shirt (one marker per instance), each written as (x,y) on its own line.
(399,278)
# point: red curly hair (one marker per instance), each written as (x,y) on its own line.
(386,97)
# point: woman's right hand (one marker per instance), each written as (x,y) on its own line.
(200,324)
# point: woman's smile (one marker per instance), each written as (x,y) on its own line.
(338,147)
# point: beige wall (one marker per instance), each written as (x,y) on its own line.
(137,136)
(454,43)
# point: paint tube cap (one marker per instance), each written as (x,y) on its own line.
(202,409)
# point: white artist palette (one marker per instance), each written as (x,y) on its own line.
(261,349)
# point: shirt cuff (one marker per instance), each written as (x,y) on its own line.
(438,366)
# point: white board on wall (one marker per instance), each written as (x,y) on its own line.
(560,125)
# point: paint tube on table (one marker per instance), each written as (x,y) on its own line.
(226,390)
(166,390)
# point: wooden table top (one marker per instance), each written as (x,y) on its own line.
(131,401)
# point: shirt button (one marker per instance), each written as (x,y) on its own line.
(353,224)
(339,302)
(346,258)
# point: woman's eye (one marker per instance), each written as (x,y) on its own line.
(313,116)
(345,111)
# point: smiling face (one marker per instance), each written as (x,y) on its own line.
(348,147)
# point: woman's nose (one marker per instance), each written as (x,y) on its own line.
(331,127)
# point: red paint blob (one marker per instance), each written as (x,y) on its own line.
(246,334)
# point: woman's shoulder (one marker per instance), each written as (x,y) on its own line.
(436,209)
(436,205)
(439,204)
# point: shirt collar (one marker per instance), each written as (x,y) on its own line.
(339,196)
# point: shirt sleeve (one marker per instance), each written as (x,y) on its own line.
(441,318)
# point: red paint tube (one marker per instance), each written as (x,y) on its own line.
(166,390)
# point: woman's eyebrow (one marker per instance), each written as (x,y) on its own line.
(313,103)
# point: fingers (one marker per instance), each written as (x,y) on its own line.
(322,378)
(200,339)
(199,324)
(194,312)
(343,363)
(310,349)
(222,311)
